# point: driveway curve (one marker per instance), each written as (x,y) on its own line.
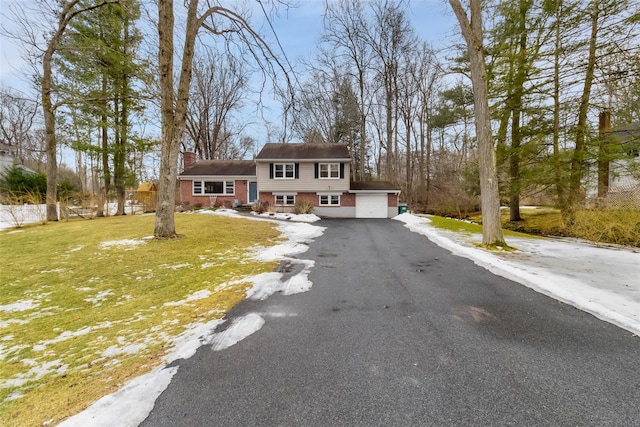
(397,331)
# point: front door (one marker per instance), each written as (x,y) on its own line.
(253,192)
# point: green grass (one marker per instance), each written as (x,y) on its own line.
(91,303)
(460,226)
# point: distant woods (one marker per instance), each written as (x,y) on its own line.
(406,109)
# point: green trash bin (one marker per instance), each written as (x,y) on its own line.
(402,208)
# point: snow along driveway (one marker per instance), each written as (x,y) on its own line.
(603,281)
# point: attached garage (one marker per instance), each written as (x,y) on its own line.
(375,199)
(371,205)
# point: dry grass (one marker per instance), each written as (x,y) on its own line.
(620,227)
(94,315)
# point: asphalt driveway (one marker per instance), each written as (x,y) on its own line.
(397,331)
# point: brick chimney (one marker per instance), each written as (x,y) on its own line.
(188,159)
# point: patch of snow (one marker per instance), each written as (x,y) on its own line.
(35,373)
(266,284)
(298,234)
(62,337)
(176,266)
(202,294)
(55,270)
(207,265)
(130,405)
(5,323)
(126,243)
(22,305)
(115,350)
(239,329)
(602,281)
(125,407)
(102,295)
(289,216)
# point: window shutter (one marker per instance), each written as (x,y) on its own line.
(316,167)
(270,170)
(341,170)
(297,170)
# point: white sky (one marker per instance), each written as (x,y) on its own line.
(600,280)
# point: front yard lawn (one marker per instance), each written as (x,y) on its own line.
(87,305)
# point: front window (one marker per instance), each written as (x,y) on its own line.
(330,170)
(330,200)
(284,170)
(214,187)
(285,199)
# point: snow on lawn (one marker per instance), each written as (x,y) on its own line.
(130,405)
(601,280)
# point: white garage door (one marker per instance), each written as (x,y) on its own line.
(371,206)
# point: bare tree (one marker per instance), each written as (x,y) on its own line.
(17,116)
(174,101)
(472,31)
(345,31)
(220,85)
(390,37)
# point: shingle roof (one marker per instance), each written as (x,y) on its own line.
(273,151)
(222,167)
(373,185)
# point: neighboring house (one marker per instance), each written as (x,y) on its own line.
(624,181)
(283,174)
(146,195)
(7,157)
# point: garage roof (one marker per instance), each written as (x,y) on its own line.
(374,186)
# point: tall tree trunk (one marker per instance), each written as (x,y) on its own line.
(516,135)
(173,109)
(579,152)
(67,13)
(560,183)
(104,153)
(48,110)
(472,32)
(604,126)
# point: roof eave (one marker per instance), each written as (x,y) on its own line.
(312,159)
(396,192)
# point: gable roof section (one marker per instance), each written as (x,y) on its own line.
(221,168)
(273,151)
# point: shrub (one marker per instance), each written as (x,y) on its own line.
(260,207)
(18,182)
(302,207)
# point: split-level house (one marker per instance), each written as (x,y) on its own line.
(283,174)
